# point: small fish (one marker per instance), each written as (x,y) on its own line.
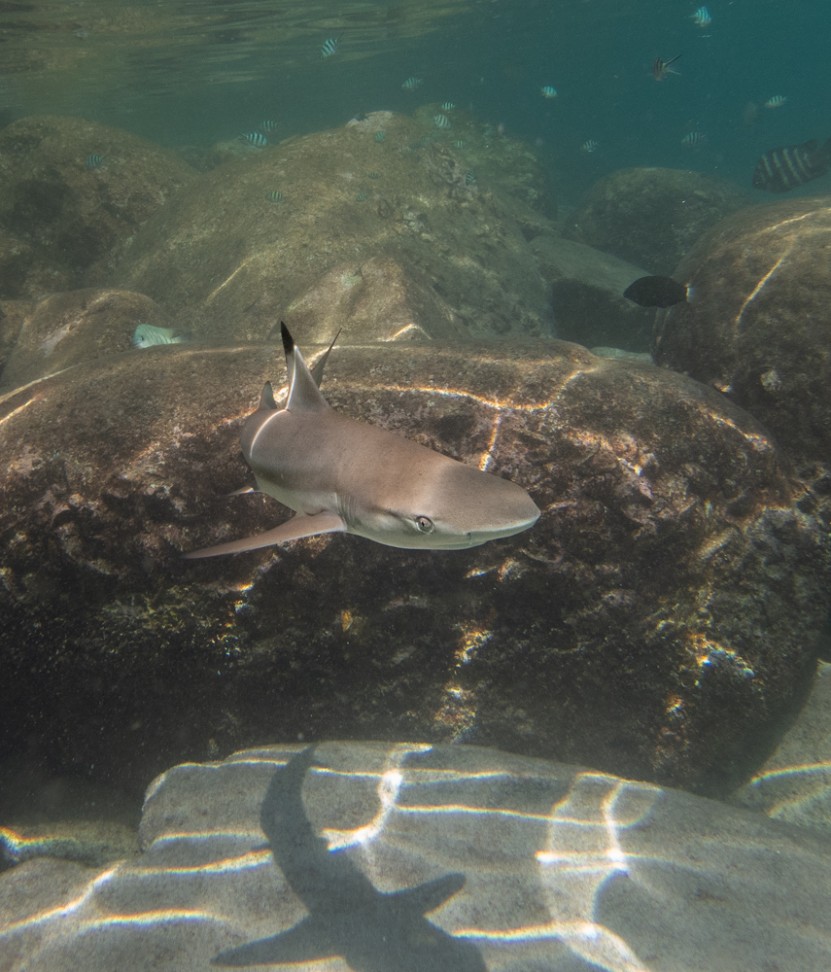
(470,178)
(702,18)
(694,140)
(459,143)
(94,161)
(441,121)
(274,196)
(775,102)
(790,166)
(662,68)
(656,292)
(380,135)
(147,335)
(548,91)
(268,126)
(329,47)
(412,84)
(257,139)
(589,146)
(447,106)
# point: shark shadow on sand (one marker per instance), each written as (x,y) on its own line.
(372,930)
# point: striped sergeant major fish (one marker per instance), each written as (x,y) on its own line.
(662,67)
(790,166)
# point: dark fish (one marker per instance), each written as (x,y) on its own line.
(656,292)
(790,166)
(661,68)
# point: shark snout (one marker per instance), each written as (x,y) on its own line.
(476,507)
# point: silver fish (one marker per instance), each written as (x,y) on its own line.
(148,335)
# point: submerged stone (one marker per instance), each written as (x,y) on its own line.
(447,859)
(72,190)
(756,327)
(651,216)
(420,249)
(659,620)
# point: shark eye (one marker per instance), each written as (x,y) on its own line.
(424,524)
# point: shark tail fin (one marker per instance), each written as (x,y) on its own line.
(428,896)
(320,364)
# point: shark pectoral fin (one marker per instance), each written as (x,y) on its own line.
(303,943)
(294,529)
(428,896)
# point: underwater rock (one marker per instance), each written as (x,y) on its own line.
(659,619)
(371,297)
(587,295)
(485,860)
(493,159)
(66,329)
(757,325)
(71,189)
(12,315)
(16,259)
(794,784)
(291,223)
(652,216)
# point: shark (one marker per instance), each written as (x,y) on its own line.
(342,475)
(373,931)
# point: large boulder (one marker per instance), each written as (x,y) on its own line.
(65,329)
(794,784)
(70,189)
(652,216)
(659,619)
(587,295)
(445,859)
(376,226)
(757,326)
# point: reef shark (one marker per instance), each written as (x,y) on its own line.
(371,930)
(341,475)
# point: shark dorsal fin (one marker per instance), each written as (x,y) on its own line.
(304,395)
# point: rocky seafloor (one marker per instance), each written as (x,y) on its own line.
(662,620)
